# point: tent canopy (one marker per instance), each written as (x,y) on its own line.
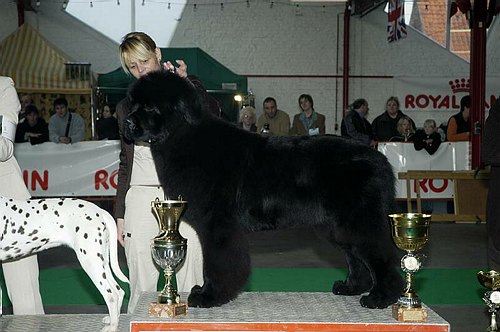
(219,81)
(36,66)
(215,76)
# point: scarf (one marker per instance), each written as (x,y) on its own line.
(308,122)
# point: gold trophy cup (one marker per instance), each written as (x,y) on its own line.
(168,249)
(491,280)
(410,232)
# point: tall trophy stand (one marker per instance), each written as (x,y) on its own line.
(168,249)
(410,232)
(491,280)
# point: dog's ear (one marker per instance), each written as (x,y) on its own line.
(168,91)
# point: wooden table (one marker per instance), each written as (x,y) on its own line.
(470,193)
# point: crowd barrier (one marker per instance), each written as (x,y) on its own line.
(451,156)
(87,169)
(83,169)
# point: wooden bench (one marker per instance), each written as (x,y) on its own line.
(470,193)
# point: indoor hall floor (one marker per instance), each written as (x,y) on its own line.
(451,246)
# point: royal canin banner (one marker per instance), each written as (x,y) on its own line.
(89,169)
(449,157)
(60,170)
(438,98)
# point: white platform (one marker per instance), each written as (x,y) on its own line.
(270,311)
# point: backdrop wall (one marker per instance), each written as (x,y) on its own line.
(284,52)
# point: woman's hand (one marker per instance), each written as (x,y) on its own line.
(119,230)
(181,70)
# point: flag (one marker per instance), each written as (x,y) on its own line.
(396,27)
(453,8)
(493,10)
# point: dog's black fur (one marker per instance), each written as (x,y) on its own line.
(236,181)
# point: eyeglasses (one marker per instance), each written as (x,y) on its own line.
(248,116)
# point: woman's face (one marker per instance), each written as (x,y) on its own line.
(106,112)
(305,104)
(248,119)
(392,108)
(139,68)
(405,126)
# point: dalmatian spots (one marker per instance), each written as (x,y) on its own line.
(31,226)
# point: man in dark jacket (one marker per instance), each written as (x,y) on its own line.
(34,129)
(355,126)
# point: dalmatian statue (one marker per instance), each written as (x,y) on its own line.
(31,226)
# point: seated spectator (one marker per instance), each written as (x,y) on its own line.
(26,100)
(405,130)
(64,126)
(427,138)
(33,129)
(385,125)
(308,122)
(459,124)
(247,119)
(355,126)
(442,129)
(107,125)
(277,120)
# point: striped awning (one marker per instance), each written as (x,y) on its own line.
(35,66)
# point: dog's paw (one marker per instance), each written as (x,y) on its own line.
(376,301)
(202,298)
(343,288)
(196,289)
(110,328)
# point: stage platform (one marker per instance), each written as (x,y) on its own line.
(251,311)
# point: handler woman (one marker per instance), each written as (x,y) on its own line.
(21,276)
(138,182)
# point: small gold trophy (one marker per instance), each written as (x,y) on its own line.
(491,280)
(168,249)
(410,232)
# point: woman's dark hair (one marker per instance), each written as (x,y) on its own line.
(31,109)
(358,103)
(309,99)
(465,102)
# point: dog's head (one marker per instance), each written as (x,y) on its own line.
(161,103)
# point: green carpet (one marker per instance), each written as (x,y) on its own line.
(434,286)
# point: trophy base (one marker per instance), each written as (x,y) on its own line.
(403,314)
(167,310)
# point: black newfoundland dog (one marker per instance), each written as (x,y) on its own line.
(237,182)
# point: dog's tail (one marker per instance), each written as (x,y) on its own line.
(113,247)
